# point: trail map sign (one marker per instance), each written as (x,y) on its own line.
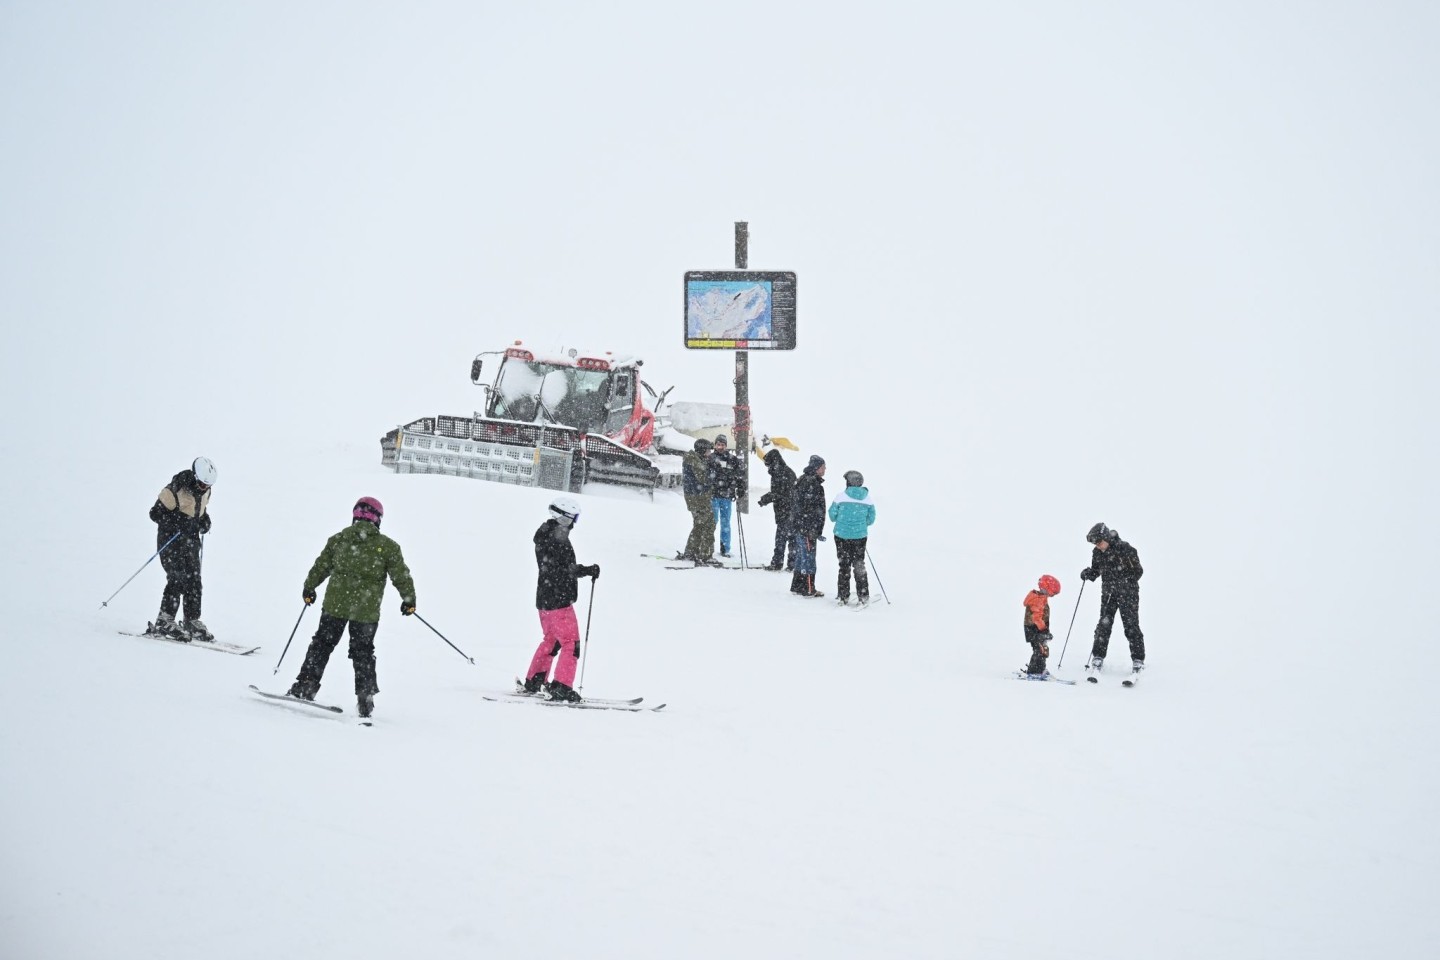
(739,310)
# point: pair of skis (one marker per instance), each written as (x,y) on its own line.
(308,704)
(631,705)
(1047,676)
(676,563)
(218,646)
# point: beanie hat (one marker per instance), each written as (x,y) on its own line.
(722,439)
(368,508)
(816,461)
(702,445)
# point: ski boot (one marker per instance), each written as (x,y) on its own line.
(302,691)
(195,629)
(1092,669)
(1137,667)
(366,703)
(165,626)
(535,684)
(561,691)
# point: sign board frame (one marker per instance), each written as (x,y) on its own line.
(739,310)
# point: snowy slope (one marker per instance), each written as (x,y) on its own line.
(822,782)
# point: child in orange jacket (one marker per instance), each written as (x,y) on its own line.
(1037,623)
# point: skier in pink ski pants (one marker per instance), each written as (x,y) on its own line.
(555,592)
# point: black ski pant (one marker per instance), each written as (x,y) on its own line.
(784,540)
(851,554)
(181,561)
(362,654)
(1039,650)
(1124,597)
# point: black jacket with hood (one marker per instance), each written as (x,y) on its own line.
(782,486)
(556,586)
(808,516)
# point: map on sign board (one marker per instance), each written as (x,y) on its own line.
(739,310)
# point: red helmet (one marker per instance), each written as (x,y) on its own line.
(1049,585)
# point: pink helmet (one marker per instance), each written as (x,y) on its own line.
(368,508)
(1050,585)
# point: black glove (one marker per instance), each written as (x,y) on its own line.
(592,571)
(767,499)
(309,597)
(1045,636)
(1088,574)
(205,523)
(406,608)
(577,649)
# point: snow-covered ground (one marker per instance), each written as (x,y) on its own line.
(821,783)
(1173,271)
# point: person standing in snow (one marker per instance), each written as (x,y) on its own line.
(556,588)
(695,477)
(1117,565)
(851,512)
(808,520)
(1037,623)
(782,498)
(182,511)
(724,468)
(356,561)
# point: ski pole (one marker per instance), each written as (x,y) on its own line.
(442,637)
(106,601)
(740,525)
(1059,663)
(585,647)
(287,642)
(871,561)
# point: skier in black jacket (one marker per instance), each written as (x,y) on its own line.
(1117,565)
(556,588)
(807,518)
(782,498)
(182,515)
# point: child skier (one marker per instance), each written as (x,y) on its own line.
(555,593)
(1037,624)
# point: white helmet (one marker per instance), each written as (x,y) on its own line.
(204,471)
(566,508)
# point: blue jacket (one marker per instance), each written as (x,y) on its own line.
(852,511)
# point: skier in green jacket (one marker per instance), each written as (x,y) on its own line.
(356,561)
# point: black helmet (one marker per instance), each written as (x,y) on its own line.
(1100,532)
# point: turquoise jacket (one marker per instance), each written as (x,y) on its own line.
(852,511)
